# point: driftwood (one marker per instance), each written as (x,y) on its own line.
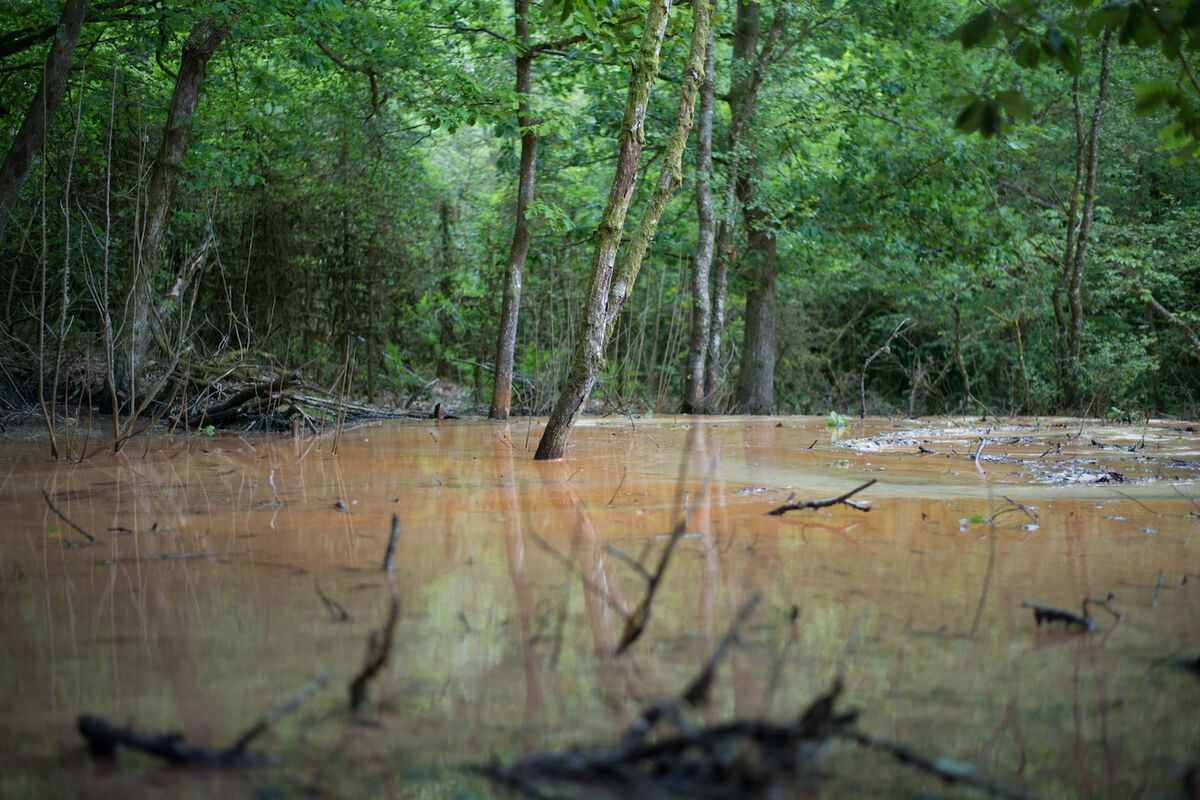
(103,739)
(1084,622)
(829,501)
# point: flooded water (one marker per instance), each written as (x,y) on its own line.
(229,571)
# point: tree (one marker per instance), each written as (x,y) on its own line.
(608,291)
(755,388)
(49,94)
(694,398)
(138,321)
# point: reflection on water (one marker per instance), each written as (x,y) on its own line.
(198,610)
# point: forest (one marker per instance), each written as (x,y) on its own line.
(812,205)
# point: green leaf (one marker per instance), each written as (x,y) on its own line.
(1151,95)
(970,118)
(1028,54)
(1016,104)
(980,30)
(1069,57)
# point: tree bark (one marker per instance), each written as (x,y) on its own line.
(49,94)
(694,400)
(1079,225)
(756,376)
(748,66)
(585,367)
(515,265)
(139,317)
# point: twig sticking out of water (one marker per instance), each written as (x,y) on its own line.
(635,623)
(1012,506)
(333,606)
(283,709)
(379,646)
(1140,503)
(1161,578)
(948,772)
(1106,604)
(391,548)
(65,519)
(829,501)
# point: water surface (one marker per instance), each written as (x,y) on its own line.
(198,609)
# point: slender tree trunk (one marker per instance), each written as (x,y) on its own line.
(722,255)
(514,267)
(671,174)
(607,294)
(45,101)
(1069,289)
(138,317)
(693,393)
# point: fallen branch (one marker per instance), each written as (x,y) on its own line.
(103,739)
(830,501)
(378,648)
(65,519)
(1046,614)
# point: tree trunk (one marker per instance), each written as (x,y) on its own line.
(1079,224)
(694,400)
(748,66)
(585,366)
(138,319)
(509,310)
(756,378)
(49,94)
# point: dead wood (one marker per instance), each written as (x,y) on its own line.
(334,608)
(1046,614)
(829,501)
(379,647)
(104,738)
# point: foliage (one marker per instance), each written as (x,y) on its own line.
(355,163)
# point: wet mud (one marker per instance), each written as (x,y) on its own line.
(229,572)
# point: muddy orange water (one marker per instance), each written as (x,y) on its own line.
(201,606)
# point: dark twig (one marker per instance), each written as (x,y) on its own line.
(635,624)
(1161,579)
(1140,503)
(830,501)
(624,472)
(939,768)
(65,519)
(283,709)
(333,606)
(391,548)
(1105,603)
(378,648)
